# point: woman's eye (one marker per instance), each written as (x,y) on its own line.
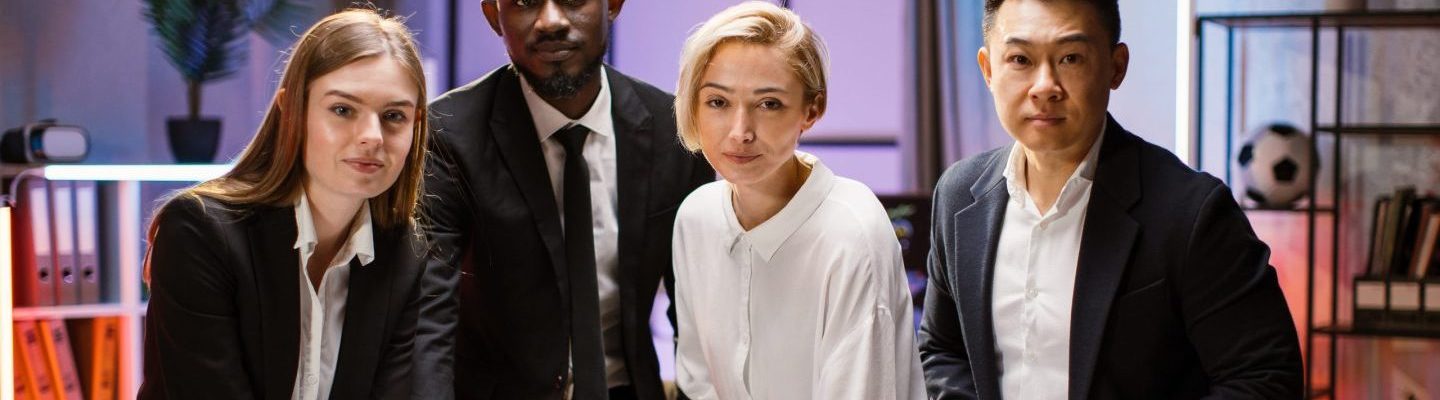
(394,116)
(715,103)
(770,105)
(342,111)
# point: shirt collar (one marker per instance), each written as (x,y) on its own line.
(361,242)
(769,236)
(1085,172)
(549,120)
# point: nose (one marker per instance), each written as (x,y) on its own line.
(1047,85)
(742,126)
(552,18)
(370,132)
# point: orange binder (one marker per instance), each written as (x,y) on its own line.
(97,345)
(29,352)
(22,372)
(56,344)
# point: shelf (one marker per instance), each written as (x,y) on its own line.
(79,311)
(1378,332)
(1381,129)
(1352,19)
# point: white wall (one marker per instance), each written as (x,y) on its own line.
(1145,102)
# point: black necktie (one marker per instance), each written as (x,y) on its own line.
(586,354)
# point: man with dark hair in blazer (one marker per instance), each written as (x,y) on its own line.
(551,195)
(1083,262)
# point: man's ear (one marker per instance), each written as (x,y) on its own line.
(982,57)
(1120,57)
(492,14)
(614,11)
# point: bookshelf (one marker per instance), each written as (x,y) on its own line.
(1315,24)
(126,267)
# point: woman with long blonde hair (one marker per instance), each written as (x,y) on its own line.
(257,276)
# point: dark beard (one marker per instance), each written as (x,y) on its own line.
(561,85)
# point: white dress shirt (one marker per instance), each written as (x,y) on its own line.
(322,312)
(811,304)
(1034,281)
(599,153)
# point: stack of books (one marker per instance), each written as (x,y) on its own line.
(1401,283)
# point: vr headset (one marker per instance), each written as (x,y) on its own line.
(44,142)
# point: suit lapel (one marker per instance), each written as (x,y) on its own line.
(1105,244)
(514,132)
(366,311)
(272,246)
(633,157)
(978,227)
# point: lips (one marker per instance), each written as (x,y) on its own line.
(1045,119)
(552,51)
(364,165)
(741,158)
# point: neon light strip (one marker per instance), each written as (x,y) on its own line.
(143,173)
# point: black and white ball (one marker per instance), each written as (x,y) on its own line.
(1276,164)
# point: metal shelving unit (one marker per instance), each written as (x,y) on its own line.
(1316,23)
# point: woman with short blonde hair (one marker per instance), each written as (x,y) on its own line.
(256,276)
(789,279)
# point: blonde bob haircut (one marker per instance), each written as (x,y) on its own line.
(270,171)
(756,22)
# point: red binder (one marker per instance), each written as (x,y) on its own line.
(34,275)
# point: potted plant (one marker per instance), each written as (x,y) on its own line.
(205,41)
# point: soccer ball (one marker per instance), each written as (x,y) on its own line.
(1276,164)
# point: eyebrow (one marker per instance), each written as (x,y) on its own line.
(351,97)
(726,89)
(1071,38)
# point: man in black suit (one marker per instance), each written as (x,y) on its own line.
(521,304)
(1083,262)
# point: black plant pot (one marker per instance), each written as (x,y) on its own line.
(193,141)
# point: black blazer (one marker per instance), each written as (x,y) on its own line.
(224,314)
(499,251)
(1174,298)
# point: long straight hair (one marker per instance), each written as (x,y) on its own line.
(270,171)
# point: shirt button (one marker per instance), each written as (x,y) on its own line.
(310,379)
(559,381)
(1032,293)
